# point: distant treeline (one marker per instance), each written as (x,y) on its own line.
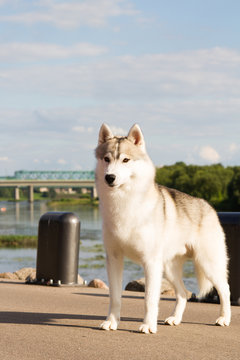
(217,184)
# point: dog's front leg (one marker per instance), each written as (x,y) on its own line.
(153,277)
(114,269)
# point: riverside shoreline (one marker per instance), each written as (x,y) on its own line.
(58,323)
(18,241)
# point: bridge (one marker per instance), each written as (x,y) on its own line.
(56,179)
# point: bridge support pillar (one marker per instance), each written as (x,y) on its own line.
(17,195)
(93,192)
(30,193)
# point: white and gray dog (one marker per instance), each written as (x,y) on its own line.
(156,227)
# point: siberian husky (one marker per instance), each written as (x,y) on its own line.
(156,227)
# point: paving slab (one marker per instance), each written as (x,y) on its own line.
(55,323)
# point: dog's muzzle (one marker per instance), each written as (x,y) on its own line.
(110,178)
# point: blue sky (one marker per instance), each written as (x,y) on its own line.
(66,67)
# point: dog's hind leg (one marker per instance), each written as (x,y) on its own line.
(114,269)
(225,311)
(173,272)
(211,258)
(217,275)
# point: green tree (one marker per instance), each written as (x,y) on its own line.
(7,193)
(206,185)
(163,176)
(52,193)
(213,183)
(234,190)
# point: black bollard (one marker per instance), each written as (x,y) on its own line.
(230,222)
(58,249)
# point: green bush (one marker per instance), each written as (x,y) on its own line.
(217,184)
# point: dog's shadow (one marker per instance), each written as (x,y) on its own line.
(72,320)
(55,319)
(66,320)
(48,319)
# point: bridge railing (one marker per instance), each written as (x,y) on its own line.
(53,175)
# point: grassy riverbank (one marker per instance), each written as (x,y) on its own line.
(58,201)
(72,202)
(18,241)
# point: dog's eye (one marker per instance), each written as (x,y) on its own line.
(125,160)
(106,159)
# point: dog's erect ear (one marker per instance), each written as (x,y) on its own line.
(105,134)
(135,135)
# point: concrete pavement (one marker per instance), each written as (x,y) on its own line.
(40,322)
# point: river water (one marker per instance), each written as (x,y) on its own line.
(22,218)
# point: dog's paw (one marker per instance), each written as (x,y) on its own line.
(222,321)
(109,325)
(148,329)
(172,320)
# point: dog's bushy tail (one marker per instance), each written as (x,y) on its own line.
(205,286)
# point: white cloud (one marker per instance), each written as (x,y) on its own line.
(61,161)
(171,133)
(13,52)
(207,74)
(209,154)
(82,129)
(118,130)
(233,148)
(155,91)
(4,158)
(76,166)
(70,15)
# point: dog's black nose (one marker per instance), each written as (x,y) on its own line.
(110,179)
